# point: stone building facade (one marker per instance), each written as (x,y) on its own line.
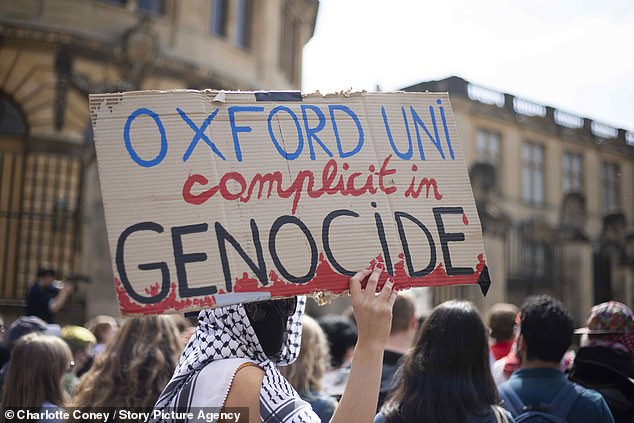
(53,53)
(555,194)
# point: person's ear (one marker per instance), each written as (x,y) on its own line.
(413,322)
(521,344)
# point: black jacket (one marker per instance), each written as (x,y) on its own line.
(610,372)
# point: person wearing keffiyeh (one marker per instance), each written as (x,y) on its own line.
(231,359)
(606,361)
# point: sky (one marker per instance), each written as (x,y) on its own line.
(574,55)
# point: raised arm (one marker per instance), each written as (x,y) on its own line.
(373,314)
(59,300)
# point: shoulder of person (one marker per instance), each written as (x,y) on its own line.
(52,408)
(492,414)
(322,400)
(324,406)
(587,394)
(245,388)
(590,403)
(497,371)
(50,405)
(507,414)
(615,359)
(379,418)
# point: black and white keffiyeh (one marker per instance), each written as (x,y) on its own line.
(225,340)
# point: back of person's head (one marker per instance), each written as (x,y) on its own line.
(501,321)
(610,324)
(80,340)
(546,327)
(77,337)
(403,312)
(306,372)
(35,372)
(341,333)
(446,375)
(186,327)
(45,270)
(103,327)
(181,322)
(24,325)
(135,366)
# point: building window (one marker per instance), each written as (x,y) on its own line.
(244,23)
(488,147)
(533,174)
(610,187)
(219,17)
(11,118)
(572,167)
(152,7)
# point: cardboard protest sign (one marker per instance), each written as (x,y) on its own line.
(215,197)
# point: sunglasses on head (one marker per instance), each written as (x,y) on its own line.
(259,311)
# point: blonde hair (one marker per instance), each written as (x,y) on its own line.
(306,372)
(135,366)
(35,372)
(101,324)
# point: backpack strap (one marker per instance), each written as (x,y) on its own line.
(562,403)
(500,415)
(512,402)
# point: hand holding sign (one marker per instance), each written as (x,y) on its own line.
(373,312)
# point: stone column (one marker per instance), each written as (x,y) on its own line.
(95,261)
(577,275)
(495,247)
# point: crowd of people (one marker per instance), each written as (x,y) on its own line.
(380,363)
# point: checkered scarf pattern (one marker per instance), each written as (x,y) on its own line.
(226,332)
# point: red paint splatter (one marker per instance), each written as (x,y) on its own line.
(249,284)
(245,284)
(274,277)
(464,219)
(153,289)
(326,279)
(437,277)
(130,307)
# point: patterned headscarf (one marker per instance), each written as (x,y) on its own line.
(610,324)
(226,333)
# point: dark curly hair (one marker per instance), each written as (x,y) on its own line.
(546,327)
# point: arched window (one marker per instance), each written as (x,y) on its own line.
(11,117)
